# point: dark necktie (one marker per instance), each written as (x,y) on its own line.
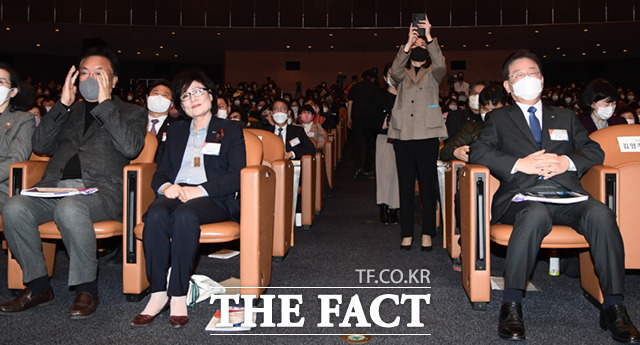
(534,124)
(153,126)
(280,133)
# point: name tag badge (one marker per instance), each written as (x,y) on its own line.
(558,135)
(164,137)
(294,142)
(211,149)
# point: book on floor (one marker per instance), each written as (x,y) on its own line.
(236,318)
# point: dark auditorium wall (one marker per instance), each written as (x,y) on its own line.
(325,66)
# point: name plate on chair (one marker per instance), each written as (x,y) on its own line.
(629,144)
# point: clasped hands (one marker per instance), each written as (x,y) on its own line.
(184,194)
(543,164)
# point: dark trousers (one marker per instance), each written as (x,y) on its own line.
(417,158)
(171,238)
(532,221)
(362,128)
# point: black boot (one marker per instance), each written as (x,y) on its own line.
(384,214)
(393,216)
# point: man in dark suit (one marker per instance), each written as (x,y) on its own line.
(159,104)
(90,142)
(528,146)
(459,118)
(296,141)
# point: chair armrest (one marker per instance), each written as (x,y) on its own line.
(25,174)
(601,182)
(475,211)
(257,193)
(137,195)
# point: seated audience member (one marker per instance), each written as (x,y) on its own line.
(313,130)
(223,107)
(196,183)
(523,157)
(238,114)
(37,112)
(90,142)
(159,104)
(321,118)
(16,130)
(625,112)
(296,141)
(457,119)
(490,98)
(598,102)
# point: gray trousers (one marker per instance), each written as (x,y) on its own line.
(74,216)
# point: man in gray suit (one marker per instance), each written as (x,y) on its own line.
(89,142)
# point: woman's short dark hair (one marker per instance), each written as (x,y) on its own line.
(493,94)
(307,108)
(181,82)
(519,54)
(159,82)
(595,91)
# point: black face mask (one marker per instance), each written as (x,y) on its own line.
(418,54)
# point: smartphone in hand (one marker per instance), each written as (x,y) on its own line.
(417,17)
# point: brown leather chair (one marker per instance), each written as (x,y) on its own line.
(477,187)
(451,230)
(30,172)
(255,231)
(330,157)
(308,189)
(273,157)
(621,171)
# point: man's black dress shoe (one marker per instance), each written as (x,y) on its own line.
(617,321)
(84,305)
(511,325)
(26,300)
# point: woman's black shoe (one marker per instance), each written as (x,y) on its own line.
(384,214)
(427,249)
(403,248)
(393,216)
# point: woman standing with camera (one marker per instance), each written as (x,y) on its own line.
(416,126)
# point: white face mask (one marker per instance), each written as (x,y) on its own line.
(47,108)
(528,88)
(325,110)
(280,117)
(4,92)
(631,97)
(631,121)
(567,100)
(453,107)
(158,104)
(294,109)
(554,98)
(604,113)
(474,102)
(222,113)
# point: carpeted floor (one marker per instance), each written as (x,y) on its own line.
(344,247)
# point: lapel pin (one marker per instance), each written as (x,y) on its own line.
(8,123)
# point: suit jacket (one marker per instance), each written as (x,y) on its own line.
(416,114)
(458,119)
(223,170)
(16,130)
(506,137)
(111,141)
(162,135)
(587,122)
(303,147)
(466,136)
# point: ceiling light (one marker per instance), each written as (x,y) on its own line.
(441,46)
(173,32)
(288,47)
(586,30)
(558,48)
(486,45)
(157,54)
(138,53)
(625,51)
(583,53)
(119,51)
(161,47)
(309,47)
(7,28)
(563,54)
(37,44)
(544,56)
(597,44)
(604,52)
(56,30)
(331,47)
(490,33)
(175,55)
(536,31)
(464,46)
(330,35)
(376,34)
(219,34)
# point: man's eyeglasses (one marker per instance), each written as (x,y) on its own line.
(197,92)
(86,74)
(520,75)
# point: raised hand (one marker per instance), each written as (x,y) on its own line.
(69,90)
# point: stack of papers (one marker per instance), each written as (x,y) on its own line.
(554,197)
(55,192)
(224,254)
